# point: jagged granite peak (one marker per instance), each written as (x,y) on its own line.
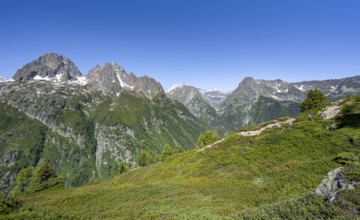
(49,66)
(113,78)
(83,132)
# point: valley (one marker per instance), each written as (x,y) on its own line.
(122,147)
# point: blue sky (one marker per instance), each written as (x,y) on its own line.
(205,43)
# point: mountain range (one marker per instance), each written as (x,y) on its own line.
(256,101)
(89,126)
(86,126)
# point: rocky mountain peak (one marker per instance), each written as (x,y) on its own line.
(49,66)
(248,80)
(148,86)
(113,78)
(184,93)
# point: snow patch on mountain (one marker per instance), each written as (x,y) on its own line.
(81,80)
(178,86)
(301,87)
(3,79)
(37,77)
(122,83)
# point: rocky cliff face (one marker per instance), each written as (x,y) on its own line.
(49,66)
(112,78)
(86,127)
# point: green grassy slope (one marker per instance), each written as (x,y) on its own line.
(261,177)
(83,133)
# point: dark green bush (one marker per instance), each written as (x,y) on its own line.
(8,204)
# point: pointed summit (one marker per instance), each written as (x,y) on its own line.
(49,66)
(112,78)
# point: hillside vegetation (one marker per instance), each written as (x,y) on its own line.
(268,176)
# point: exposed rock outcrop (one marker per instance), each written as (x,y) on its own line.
(333,182)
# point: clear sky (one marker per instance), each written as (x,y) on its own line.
(205,43)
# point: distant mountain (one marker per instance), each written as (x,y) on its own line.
(195,101)
(2,79)
(335,89)
(113,78)
(49,66)
(214,97)
(86,126)
(256,101)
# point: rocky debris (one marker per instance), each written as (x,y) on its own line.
(332,111)
(6,180)
(113,146)
(8,157)
(332,127)
(49,66)
(333,182)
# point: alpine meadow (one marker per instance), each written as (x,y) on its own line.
(158,109)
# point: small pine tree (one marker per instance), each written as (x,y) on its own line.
(207,138)
(44,176)
(315,100)
(22,181)
(167,152)
(143,158)
(122,168)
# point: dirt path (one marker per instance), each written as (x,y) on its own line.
(211,145)
(277,124)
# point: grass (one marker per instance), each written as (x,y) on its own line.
(262,177)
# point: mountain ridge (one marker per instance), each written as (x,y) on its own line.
(241,107)
(86,130)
